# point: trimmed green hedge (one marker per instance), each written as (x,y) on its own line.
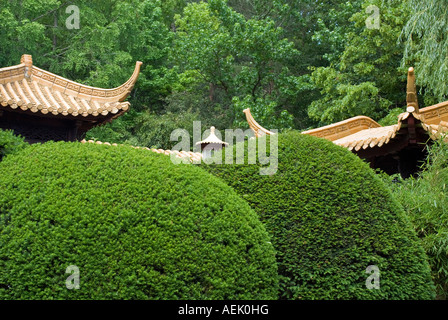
(330,217)
(10,143)
(136,226)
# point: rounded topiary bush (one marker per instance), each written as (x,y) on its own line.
(330,218)
(134,224)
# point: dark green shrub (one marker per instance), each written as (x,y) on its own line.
(10,143)
(136,226)
(330,217)
(425,200)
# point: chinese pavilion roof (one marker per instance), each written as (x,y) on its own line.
(26,87)
(362,133)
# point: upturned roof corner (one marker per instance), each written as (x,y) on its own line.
(257,129)
(43,106)
(28,87)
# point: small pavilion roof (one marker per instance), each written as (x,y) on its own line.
(26,87)
(212,139)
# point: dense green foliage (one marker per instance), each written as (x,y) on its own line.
(136,226)
(230,59)
(425,200)
(146,128)
(330,217)
(295,63)
(426,43)
(366,78)
(112,35)
(10,143)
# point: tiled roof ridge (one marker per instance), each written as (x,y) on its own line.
(193,156)
(27,70)
(344,128)
(377,137)
(28,87)
(362,132)
(433,114)
(76,89)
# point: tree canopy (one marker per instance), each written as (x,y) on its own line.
(426,43)
(296,63)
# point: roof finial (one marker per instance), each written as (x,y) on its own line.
(411,95)
(27,60)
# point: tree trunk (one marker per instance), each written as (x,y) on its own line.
(211,92)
